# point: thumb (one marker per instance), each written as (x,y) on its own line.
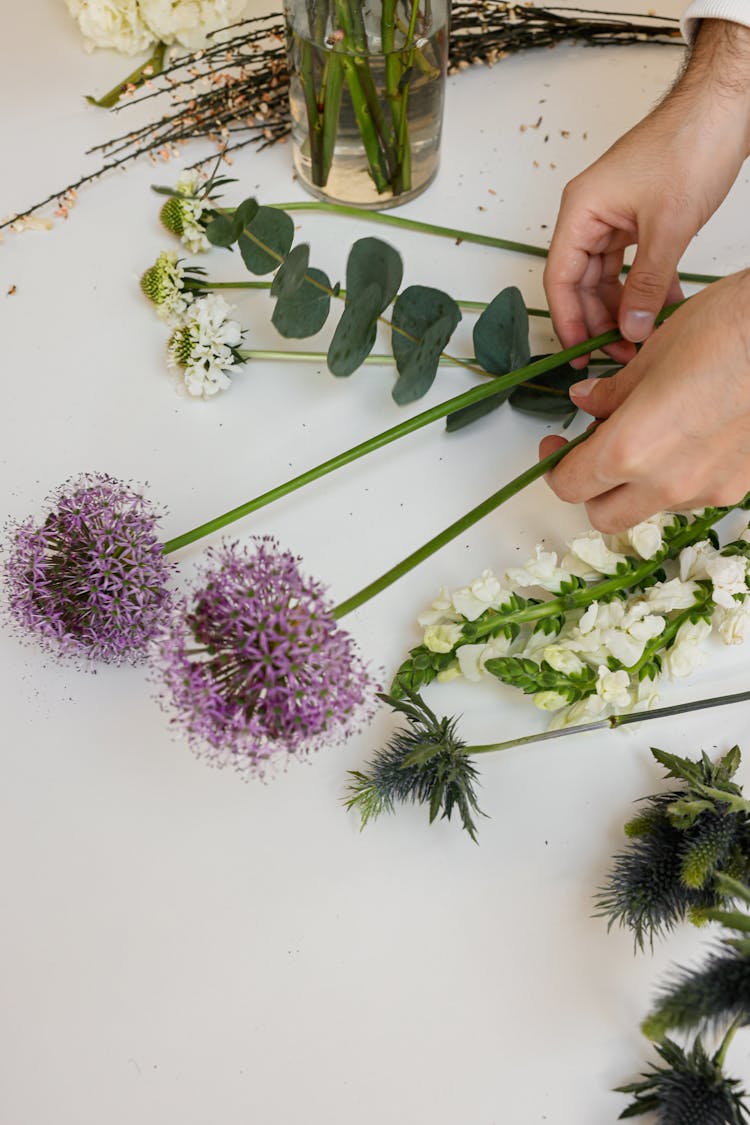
(646,287)
(601,397)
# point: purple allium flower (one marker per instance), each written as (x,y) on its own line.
(256,664)
(91,580)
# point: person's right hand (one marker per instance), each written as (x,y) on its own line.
(654,188)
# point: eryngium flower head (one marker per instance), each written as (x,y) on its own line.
(256,664)
(204,346)
(91,580)
(690,1090)
(708,997)
(423,763)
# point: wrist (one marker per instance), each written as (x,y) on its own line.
(715,81)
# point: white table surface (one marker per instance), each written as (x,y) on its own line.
(180,947)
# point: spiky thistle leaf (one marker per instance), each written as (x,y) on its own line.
(691,1089)
(705,998)
(423,763)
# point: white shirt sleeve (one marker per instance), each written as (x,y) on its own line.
(738,11)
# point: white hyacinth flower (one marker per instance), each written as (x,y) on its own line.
(204,346)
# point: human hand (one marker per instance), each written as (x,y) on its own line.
(676,429)
(655,188)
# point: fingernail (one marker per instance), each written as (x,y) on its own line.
(636,325)
(583,389)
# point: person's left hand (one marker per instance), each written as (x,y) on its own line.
(676,433)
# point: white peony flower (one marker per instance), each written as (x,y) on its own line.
(189,22)
(594,552)
(612,688)
(442,638)
(540,570)
(203,346)
(485,592)
(117,24)
(729,577)
(685,654)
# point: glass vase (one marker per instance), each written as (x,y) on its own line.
(366,92)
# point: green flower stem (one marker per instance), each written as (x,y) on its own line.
(448,232)
(584,596)
(153,65)
(611,722)
(314,119)
(721,1054)
(408,426)
(427,549)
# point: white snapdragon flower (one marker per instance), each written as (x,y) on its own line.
(729,577)
(561,659)
(189,22)
(586,710)
(549,700)
(647,538)
(473,658)
(594,552)
(685,654)
(613,688)
(485,592)
(732,624)
(440,610)
(663,597)
(694,559)
(116,24)
(540,570)
(203,346)
(646,695)
(442,638)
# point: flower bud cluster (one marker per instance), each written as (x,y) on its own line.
(595,654)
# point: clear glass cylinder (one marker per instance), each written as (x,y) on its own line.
(366,92)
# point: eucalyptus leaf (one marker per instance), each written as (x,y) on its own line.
(356,331)
(305,311)
(220,231)
(501,334)
(546,395)
(244,215)
(275,230)
(373,262)
(291,273)
(468,414)
(430,316)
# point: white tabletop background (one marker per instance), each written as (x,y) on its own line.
(177,946)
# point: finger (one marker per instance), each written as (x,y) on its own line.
(647,284)
(675,292)
(629,504)
(584,473)
(601,397)
(550,444)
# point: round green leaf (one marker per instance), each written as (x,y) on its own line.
(304,312)
(418,311)
(373,262)
(291,273)
(417,374)
(473,413)
(243,216)
(220,231)
(501,334)
(547,395)
(356,331)
(271,230)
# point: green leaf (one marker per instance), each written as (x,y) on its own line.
(355,333)
(430,316)
(473,413)
(220,231)
(272,228)
(291,273)
(304,312)
(501,334)
(546,395)
(244,215)
(373,262)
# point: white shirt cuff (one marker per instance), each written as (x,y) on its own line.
(738,11)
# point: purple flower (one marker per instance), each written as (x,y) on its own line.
(91,580)
(256,664)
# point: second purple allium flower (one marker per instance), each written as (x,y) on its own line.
(91,580)
(256,664)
